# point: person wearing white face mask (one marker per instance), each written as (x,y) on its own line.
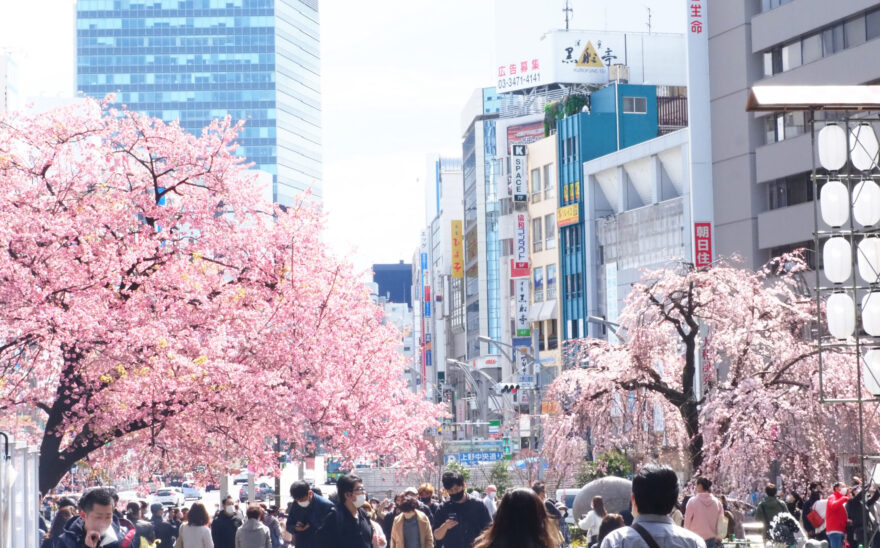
(347,524)
(489,501)
(225,525)
(835,515)
(306,514)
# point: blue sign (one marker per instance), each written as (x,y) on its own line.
(424,261)
(474,457)
(427,309)
(427,357)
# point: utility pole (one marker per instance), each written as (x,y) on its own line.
(568,11)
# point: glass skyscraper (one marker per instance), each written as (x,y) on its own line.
(196,60)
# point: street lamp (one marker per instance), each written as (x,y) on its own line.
(614,327)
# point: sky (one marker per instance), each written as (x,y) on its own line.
(395,77)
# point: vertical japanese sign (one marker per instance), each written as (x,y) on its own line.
(518,173)
(523,328)
(457,250)
(696,16)
(519,267)
(702,244)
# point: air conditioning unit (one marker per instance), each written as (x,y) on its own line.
(618,73)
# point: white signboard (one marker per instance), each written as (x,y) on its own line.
(518,173)
(526,381)
(583,57)
(523,328)
(521,246)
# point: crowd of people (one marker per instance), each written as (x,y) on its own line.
(419,518)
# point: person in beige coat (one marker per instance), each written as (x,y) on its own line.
(411,528)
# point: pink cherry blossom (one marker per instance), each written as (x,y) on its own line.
(156,315)
(760,401)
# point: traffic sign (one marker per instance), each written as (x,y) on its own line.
(527,381)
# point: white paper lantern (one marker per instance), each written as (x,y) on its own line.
(832,147)
(863,147)
(866,203)
(837,259)
(871,313)
(834,203)
(841,312)
(871,372)
(869,259)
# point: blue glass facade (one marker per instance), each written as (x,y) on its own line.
(620,115)
(196,60)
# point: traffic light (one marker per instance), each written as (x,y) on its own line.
(506,388)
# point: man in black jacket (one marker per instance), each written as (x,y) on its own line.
(165,532)
(225,525)
(347,525)
(461,520)
(855,532)
(95,525)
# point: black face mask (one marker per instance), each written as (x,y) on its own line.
(455,497)
(426,501)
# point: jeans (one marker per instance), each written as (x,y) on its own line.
(713,543)
(835,540)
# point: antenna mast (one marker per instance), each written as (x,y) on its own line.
(649,20)
(567,10)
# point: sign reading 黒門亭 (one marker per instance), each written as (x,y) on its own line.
(523,328)
(518,173)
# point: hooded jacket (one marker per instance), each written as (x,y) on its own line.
(253,534)
(702,515)
(835,514)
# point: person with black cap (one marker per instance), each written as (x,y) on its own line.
(165,532)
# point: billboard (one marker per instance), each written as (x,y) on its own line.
(521,248)
(518,173)
(583,57)
(568,215)
(702,244)
(525,134)
(522,325)
(457,250)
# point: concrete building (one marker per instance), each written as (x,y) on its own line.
(544,312)
(196,60)
(761,162)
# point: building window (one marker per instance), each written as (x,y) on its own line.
(550,231)
(537,239)
(536,185)
(538,284)
(872,24)
(791,190)
(778,127)
(767,5)
(635,105)
(549,181)
(551,282)
(854,32)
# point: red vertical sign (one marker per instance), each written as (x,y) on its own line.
(702,244)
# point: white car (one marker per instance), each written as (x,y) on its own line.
(169,496)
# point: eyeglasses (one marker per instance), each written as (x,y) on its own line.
(360,490)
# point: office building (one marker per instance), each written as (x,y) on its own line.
(196,60)
(394,282)
(761,162)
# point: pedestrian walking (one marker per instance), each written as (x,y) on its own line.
(94,526)
(654,493)
(165,532)
(835,515)
(855,509)
(521,521)
(812,519)
(730,520)
(50,539)
(489,501)
(423,507)
(411,527)
(391,512)
(270,520)
(196,531)
(380,539)
(306,514)
(347,525)
(460,520)
(426,497)
(252,533)
(769,508)
(554,516)
(225,525)
(611,522)
(703,513)
(593,519)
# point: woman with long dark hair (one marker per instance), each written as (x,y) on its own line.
(591,522)
(520,522)
(57,527)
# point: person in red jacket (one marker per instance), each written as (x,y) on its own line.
(835,515)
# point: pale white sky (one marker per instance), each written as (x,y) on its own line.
(395,77)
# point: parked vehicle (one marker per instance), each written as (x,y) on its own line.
(190,492)
(262,492)
(169,496)
(567,496)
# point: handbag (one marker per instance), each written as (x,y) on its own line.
(815,519)
(555,533)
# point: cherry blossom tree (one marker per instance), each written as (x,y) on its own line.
(156,314)
(759,402)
